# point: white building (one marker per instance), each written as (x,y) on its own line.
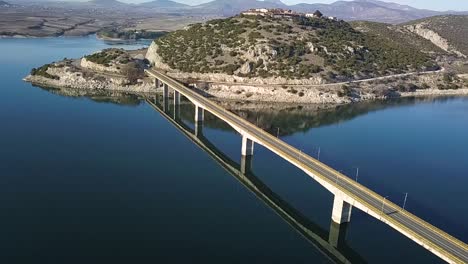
(262,10)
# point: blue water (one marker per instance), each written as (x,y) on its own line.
(85,181)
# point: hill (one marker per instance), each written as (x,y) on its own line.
(448,32)
(163,4)
(107,3)
(370,10)
(299,48)
(234,7)
(367,10)
(399,36)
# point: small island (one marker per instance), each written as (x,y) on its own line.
(110,69)
(278,56)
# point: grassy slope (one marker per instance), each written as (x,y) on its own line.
(282,47)
(399,36)
(452,28)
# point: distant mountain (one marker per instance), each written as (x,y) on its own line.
(163,4)
(389,5)
(4,4)
(372,10)
(106,3)
(233,7)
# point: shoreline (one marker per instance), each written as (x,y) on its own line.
(146,89)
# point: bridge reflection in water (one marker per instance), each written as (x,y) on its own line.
(330,243)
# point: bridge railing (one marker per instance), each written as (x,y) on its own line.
(223,113)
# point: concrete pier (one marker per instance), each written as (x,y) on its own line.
(176,97)
(199,114)
(157,83)
(176,105)
(246,164)
(166,90)
(198,128)
(247,146)
(341,211)
(337,235)
(199,118)
(165,97)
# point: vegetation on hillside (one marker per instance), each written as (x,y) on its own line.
(398,36)
(131,68)
(107,56)
(297,48)
(42,71)
(115,33)
(450,27)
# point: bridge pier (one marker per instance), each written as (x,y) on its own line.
(165,97)
(337,235)
(341,210)
(199,114)
(176,105)
(157,83)
(246,164)
(176,97)
(247,146)
(199,118)
(198,128)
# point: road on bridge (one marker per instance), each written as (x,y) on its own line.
(432,238)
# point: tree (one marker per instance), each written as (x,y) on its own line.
(132,72)
(318,14)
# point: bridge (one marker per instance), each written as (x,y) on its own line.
(331,244)
(347,193)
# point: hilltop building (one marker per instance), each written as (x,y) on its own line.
(278,12)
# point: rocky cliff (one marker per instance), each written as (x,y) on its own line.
(439,41)
(448,32)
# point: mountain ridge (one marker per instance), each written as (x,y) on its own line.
(372,10)
(163,4)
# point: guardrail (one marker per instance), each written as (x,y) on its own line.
(253,130)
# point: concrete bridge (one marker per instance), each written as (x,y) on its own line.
(330,243)
(348,193)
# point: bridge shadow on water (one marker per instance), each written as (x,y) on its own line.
(331,243)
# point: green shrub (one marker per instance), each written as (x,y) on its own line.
(42,71)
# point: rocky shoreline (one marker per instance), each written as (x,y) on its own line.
(106,74)
(325,96)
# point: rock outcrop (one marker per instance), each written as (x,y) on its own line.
(84,63)
(434,37)
(153,57)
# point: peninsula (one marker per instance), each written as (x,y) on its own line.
(284,56)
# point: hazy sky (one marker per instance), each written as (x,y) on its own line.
(427,4)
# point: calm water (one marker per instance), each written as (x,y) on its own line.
(87,180)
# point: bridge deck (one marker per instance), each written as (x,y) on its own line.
(435,240)
(284,210)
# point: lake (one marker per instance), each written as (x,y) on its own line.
(88,179)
